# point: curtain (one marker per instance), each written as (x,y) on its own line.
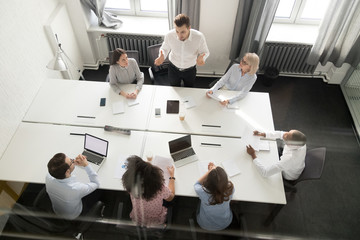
(338,39)
(191,8)
(252,24)
(106,18)
(171,13)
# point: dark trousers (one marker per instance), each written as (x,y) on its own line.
(175,76)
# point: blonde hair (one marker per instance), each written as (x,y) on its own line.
(253,61)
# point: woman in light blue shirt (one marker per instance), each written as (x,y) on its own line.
(215,192)
(240,77)
(124,70)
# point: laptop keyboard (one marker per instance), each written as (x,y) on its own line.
(183,154)
(91,157)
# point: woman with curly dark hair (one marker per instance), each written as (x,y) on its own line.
(215,192)
(146,185)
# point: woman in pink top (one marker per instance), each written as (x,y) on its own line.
(146,185)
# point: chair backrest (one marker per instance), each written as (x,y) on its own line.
(43,202)
(128,228)
(29,219)
(153,53)
(130,53)
(314,164)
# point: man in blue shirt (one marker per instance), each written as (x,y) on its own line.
(69,197)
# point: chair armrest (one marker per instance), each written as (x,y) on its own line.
(151,74)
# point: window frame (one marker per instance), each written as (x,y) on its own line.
(135,10)
(295,16)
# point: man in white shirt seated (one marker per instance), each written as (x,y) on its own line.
(186,48)
(292,160)
(69,197)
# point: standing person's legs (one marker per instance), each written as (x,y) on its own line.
(189,77)
(174,75)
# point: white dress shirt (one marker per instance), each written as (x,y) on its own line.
(291,164)
(66,194)
(183,54)
(122,75)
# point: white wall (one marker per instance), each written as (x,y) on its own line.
(217,19)
(216,23)
(25,51)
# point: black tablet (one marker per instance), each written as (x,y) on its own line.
(172,106)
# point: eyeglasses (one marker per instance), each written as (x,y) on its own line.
(72,161)
(244,62)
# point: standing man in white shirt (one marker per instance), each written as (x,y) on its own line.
(68,196)
(292,160)
(186,48)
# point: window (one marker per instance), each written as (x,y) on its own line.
(153,8)
(301,11)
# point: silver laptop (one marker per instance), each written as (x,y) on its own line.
(95,150)
(181,151)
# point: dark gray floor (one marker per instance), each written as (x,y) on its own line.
(323,209)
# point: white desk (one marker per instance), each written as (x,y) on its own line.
(33,145)
(249,185)
(254,111)
(61,101)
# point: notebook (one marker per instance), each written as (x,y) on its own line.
(95,150)
(118,107)
(181,151)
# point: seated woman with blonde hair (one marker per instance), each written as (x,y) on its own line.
(215,192)
(240,77)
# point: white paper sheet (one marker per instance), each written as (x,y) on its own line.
(203,167)
(231,167)
(118,107)
(189,102)
(132,102)
(264,145)
(250,139)
(163,163)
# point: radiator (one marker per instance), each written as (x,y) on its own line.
(133,42)
(286,57)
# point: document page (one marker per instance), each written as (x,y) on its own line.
(231,167)
(163,163)
(250,139)
(118,107)
(189,102)
(132,102)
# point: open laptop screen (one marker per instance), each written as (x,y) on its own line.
(180,144)
(96,145)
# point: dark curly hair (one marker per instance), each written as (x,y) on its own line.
(142,179)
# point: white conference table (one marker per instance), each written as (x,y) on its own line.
(61,101)
(249,184)
(33,145)
(254,111)
(53,115)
